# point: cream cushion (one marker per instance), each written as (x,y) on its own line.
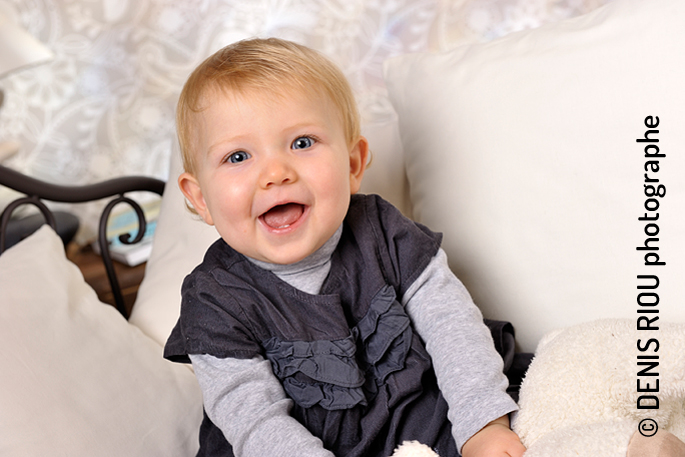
(180,242)
(77,379)
(523,152)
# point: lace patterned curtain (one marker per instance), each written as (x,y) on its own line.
(105,106)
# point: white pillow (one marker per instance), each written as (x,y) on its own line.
(523,152)
(386,176)
(77,379)
(179,245)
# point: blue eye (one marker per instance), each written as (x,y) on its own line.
(303,142)
(238,156)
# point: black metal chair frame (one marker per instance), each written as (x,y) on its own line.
(36,191)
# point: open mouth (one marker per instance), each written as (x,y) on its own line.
(283,216)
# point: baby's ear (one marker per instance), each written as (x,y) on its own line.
(359,156)
(190,187)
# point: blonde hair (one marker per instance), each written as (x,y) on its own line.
(267,65)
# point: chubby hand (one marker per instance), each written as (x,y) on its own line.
(494,440)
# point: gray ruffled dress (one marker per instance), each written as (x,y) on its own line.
(360,378)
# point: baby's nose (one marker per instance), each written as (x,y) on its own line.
(278,172)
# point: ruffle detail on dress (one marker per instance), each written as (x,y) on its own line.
(331,378)
(331,373)
(386,335)
(328,396)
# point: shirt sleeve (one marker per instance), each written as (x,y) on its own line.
(245,400)
(211,322)
(466,364)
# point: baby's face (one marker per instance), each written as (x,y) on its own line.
(274,174)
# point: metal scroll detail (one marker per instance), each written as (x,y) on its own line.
(125,238)
(39,190)
(7,214)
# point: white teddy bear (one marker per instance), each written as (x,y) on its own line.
(414,449)
(579,397)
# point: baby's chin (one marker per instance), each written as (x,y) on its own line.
(281,255)
(285,248)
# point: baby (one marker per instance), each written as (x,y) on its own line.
(323,322)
